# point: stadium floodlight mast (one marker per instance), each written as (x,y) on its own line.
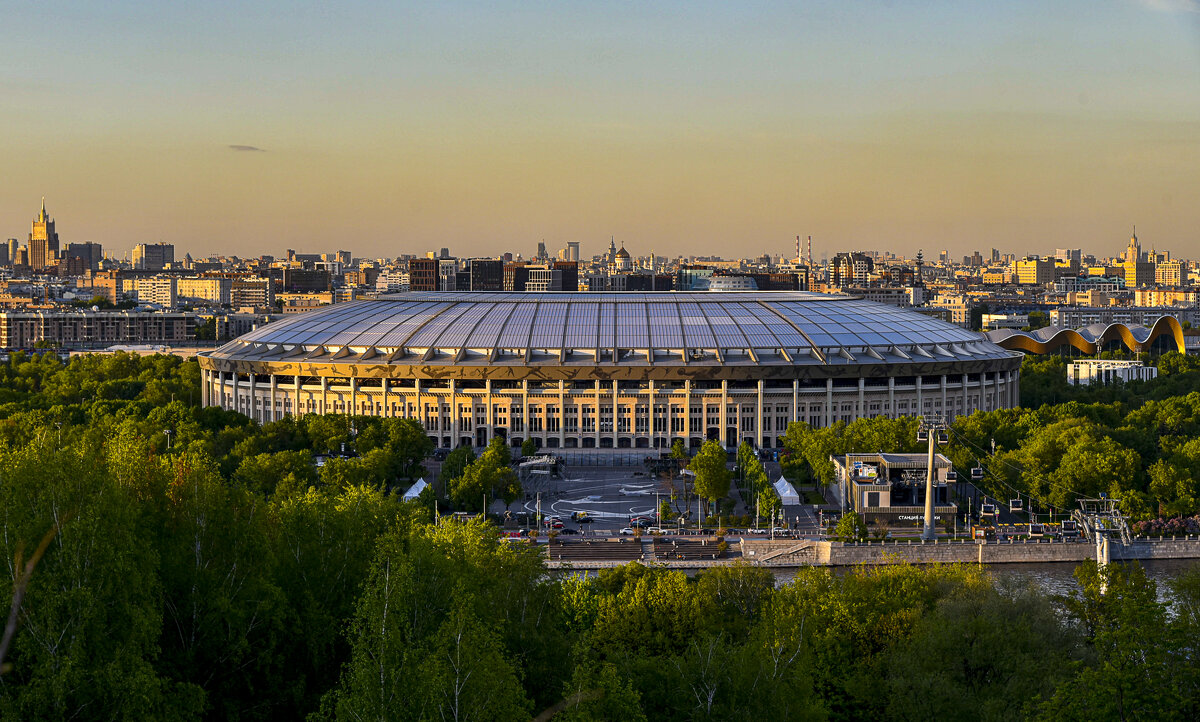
(931,426)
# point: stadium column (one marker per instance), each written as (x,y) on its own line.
(945,411)
(204,379)
(687,413)
(828,402)
(296,400)
(725,413)
(383,387)
(892,397)
(996,390)
(616,409)
(653,430)
(525,425)
(253,398)
(221,389)
(488,410)
(862,406)
(420,407)
(324,394)
(562,413)
(758,421)
(454,415)
(353,410)
(597,419)
(795,400)
(274,387)
(920,397)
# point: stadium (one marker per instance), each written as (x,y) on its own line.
(611,370)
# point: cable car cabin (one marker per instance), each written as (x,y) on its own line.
(1037,531)
(943,438)
(922,436)
(951,476)
(1016,505)
(1069,528)
(977,473)
(987,510)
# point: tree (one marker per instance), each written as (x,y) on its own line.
(678,450)
(91,617)
(597,693)
(851,527)
(490,474)
(420,629)
(1038,319)
(712,474)
(529,447)
(467,676)
(979,651)
(455,464)
(1125,626)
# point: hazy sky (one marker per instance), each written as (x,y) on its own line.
(686,128)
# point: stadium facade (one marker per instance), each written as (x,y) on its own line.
(611,370)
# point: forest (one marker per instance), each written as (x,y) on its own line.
(172,562)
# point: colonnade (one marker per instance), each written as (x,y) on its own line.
(603,414)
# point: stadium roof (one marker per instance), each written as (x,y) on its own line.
(751,327)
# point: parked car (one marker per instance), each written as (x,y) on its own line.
(639,524)
(627,532)
(585,519)
(553,523)
(568,531)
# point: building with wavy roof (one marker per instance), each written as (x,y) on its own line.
(611,370)
(1165,332)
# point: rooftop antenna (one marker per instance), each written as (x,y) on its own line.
(810,263)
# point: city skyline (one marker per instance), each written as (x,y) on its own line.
(686,130)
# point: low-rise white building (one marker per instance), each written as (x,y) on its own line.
(1107,371)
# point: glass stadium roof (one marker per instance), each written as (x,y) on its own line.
(508,324)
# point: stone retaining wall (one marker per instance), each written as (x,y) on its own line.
(825,553)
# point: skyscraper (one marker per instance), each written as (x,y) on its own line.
(43,241)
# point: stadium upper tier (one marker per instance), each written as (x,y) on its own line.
(752,328)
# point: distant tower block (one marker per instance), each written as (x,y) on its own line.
(43,241)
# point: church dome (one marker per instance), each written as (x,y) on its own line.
(622,253)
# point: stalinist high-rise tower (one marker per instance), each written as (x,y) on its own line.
(43,241)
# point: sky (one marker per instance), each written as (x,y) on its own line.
(686,128)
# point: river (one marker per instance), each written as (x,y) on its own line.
(1059,578)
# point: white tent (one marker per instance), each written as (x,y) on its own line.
(787,492)
(415,490)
